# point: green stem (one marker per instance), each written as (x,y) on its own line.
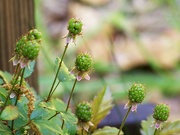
(24,125)
(155,131)
(16,71)
(51,90)
(55,88)
(21,81)
(10,92)
(124,120)
(71,95)
(69,100)
(53,115)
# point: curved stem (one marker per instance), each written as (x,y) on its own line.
(124,120)
(155,131)
(69,100)
(51,90)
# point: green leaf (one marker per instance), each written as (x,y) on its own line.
(146,125)
(64,74)
(70,122)
(22,118)
(4,130)
(5,77)
(29,69)
(9,113)
(55,104)
(101,106)
(48,128)
(1,81)
(3,94)
(170,128)
(107,131)
(69,117)
(39,113)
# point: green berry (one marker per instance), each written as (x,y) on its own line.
(84,111)
(83,62)
(136,93)
(20,44)
(34,34)
(75,26)
(31,50)
(161,112)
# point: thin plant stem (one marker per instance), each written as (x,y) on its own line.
(53,115)
(67,104)
(71,95)
(24,125)
(21,81)
(16,71)
(124,120)
(7,98)
(155,131)
(55,88)
(52,90)
(69,100)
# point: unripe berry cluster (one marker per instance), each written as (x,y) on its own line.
(136,93)
(28,46)
(83,62)
(84,111)
(161,112)
(75,26)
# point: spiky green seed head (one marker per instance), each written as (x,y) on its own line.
(31,50)
(136,93)
(74,26)
(161,112)
(34,34)
(19,45)
(84,111)
(83,62)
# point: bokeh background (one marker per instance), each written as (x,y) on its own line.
(130,41)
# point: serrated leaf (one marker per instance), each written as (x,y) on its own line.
(5,77)
(69,117)
(48,128)
(107,131)
(29,69)
(39,113)
(4,130)
(9,113)
(147,128)
(55,104)
(101,106)
(70,122)
(64,74)
(170,128)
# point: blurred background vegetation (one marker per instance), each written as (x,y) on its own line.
(130,41)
